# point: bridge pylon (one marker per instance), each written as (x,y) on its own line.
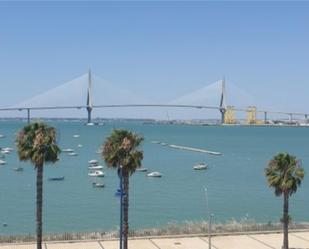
(223,102)
(89,98)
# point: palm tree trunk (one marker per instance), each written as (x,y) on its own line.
(125,209)
(39,204)
(285,220)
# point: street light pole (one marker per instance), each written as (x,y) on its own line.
(210,217)
(121,209)
(209,230)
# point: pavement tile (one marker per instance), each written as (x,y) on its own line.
(302,235)
(32,246)
(276,240)
(77,245)
(237,242)
(181,243)
(134,244)
(299,240)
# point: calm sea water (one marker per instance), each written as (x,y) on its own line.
(235,181)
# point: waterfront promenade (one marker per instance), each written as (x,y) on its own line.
(298,240)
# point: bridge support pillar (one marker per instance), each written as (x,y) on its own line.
(222,111)
(265,117)
(28,116)
(306,119)
(89,110)
(290,118)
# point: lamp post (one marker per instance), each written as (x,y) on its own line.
(210,217)
(209,230)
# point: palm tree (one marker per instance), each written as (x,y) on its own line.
(120,151)
(36,143)
(284,174)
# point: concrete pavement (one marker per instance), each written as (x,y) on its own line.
(299,240)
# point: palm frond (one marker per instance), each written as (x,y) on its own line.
(284,173)
(121,148)
(37,143)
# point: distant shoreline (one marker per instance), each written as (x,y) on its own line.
(189,122)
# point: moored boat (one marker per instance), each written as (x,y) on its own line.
(95,167)
(97,173)
(6,150)
(99,151)
(200,166)
(19,169)
(141,170)
(154,174)
(58,178)
(98,185)
(68,150)
(72,154)
(93,161)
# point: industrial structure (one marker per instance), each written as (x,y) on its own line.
(251,115)
(229,117)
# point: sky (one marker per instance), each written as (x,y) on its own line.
(158,50)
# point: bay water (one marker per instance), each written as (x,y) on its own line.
(235,181)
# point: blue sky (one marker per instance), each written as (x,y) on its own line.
(160,50)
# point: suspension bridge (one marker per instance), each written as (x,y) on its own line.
(212,97)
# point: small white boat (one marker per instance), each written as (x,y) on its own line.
(154,174)
(90,124)
(2,136)
(72,154)
(98,173)
(98,185)
(19,169)
(80,146)
(164,144)
(155,142)
(200,166)
(8,149)
(2,162)
(95,167)
(93,161)
(76,135)
(99,151)
(142,170)
(67,150)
